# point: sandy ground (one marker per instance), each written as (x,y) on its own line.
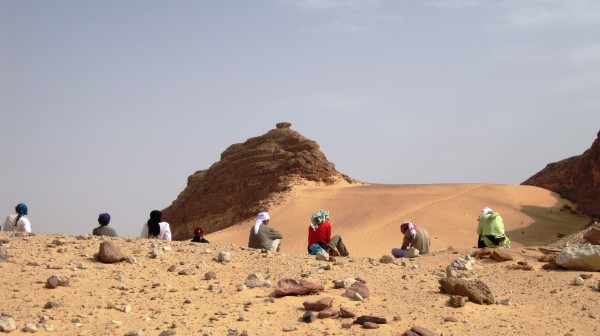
(112,299)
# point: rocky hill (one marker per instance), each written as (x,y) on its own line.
(576,179)
(247,179)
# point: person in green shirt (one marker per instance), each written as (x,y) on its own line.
(491,230)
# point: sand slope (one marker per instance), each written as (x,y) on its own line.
(368,216)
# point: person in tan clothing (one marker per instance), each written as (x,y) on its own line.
(416,237)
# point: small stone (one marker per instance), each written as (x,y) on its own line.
(450,319)
(171,268)
(53,304)
(55,281)
(241,287)
(370,325)
(578,281)
(126,309)
(289,328)
(506,302)
(308,317)
(210,275)
(134,333)
(224,257)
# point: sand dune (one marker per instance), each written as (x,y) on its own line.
(368,216)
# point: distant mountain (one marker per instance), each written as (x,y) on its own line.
(576,179)
(247,180)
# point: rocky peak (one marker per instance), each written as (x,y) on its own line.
(246,180)
(576,178)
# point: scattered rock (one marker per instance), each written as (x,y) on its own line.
(7,324)
(326,313)
(419,331)
(593,236)
(357,288)
(134,333)
(56,280)
(322,256)
(372,319)
(210,275)
(386,259)
(370,325)
(578,281)
(343,283)
(30,327)
(224,257)
(323,303)
(109,253)
(287,287)
(476,290)
(309,317)
(171,268)
(501,254)
(584,257)
(254,280)
(345,313)
(289,328)
(3,256)
(53,304)
(450,319)
(457,301)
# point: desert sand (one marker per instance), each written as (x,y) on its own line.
(170,294)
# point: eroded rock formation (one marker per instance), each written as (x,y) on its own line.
(576,179)
(246,180)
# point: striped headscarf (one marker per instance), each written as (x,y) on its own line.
(410,227)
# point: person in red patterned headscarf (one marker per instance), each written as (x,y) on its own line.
(199,235)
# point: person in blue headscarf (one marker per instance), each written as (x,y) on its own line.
(103,229)
(17,222)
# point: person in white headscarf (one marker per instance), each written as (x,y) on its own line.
(262,236)
(490,229)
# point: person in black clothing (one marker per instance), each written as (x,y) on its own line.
(199,236)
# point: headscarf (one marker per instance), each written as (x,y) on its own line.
(262,216)
(199,232)
(153,223)
(21,210)
(485,211)
(104,219)
(410,227)
(318,218)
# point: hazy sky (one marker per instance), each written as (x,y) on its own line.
(108,106)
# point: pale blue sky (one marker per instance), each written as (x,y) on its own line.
(108,106)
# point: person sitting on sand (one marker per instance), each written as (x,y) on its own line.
(416,237)
(103,229)
(199,236)
(18,222)
(155,228)
(262,236)
(319,232)
(490,230)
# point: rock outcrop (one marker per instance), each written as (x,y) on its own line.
(576,179)
(247,179)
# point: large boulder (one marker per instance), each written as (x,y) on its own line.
(585,257)
(109,253)
(476,290)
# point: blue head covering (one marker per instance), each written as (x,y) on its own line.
(104,219)
(21,209)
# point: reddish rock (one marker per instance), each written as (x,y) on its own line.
(286,287)
(501,254)
(550,265)
(419,331)
(246,179)
(318,305)
(476,290)
(576,178)
(345,313)
(372,319)
(357,287)
(370,325)
(484,252)
(109,253)
(547,258)
(326,313)
(593,236)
